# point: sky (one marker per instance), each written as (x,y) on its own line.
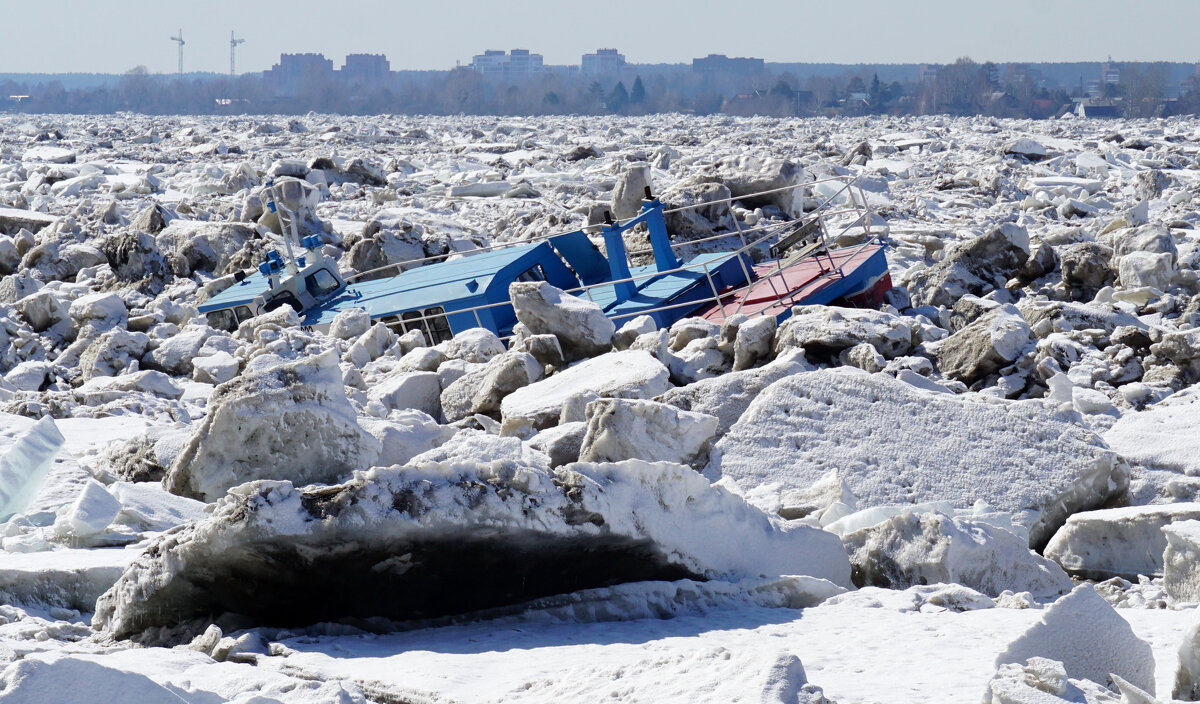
(111,36)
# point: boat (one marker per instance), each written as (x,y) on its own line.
(443,296)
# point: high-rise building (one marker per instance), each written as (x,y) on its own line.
(1110,73)
(719,63)
(604,62)
(296,70)
(366,68)
(518,62)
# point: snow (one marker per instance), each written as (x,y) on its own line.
(875,662)
(157,675)
(78,680)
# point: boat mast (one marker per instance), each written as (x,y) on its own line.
(287,242)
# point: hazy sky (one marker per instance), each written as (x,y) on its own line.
(112,36)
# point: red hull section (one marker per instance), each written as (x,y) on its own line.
(855,276)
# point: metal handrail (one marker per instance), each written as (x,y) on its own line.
(694,303)
(845,180)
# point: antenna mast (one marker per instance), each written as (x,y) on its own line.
(233,44)
(179,38)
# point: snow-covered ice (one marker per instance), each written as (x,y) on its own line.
(1031,375)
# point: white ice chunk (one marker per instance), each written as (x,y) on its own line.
(1091,639)
(92,511)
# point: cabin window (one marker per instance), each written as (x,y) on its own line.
(533,273)
(222,320)
(243,313)
(431,321)
(320,283)
(436,325)
(285,298)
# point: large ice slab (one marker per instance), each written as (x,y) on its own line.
(68,578)
(893,443)
(1165,436)
(1181,561)
(627,374)
(291,421)
(13,220)
(930,548)
(1117,542)
(439,538)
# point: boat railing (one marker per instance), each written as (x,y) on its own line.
(855,205)
(719,295)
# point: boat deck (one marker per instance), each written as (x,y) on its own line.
(673,289)
(815,280)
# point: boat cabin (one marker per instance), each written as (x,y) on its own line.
(303,284)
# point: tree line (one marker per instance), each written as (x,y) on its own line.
(962,88)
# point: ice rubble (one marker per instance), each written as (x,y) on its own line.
(1087,228)
(890,442)
(414,542)
(931,548)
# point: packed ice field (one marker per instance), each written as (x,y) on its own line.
(986,490)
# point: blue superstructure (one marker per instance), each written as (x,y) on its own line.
(445,298)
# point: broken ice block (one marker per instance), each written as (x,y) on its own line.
(24,467)
(93,510)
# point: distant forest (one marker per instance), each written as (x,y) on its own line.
(962,88)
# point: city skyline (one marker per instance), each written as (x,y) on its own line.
(113,37)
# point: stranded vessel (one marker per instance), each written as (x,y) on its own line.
(799,265)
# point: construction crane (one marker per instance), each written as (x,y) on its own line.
(179,38)
(233,44)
